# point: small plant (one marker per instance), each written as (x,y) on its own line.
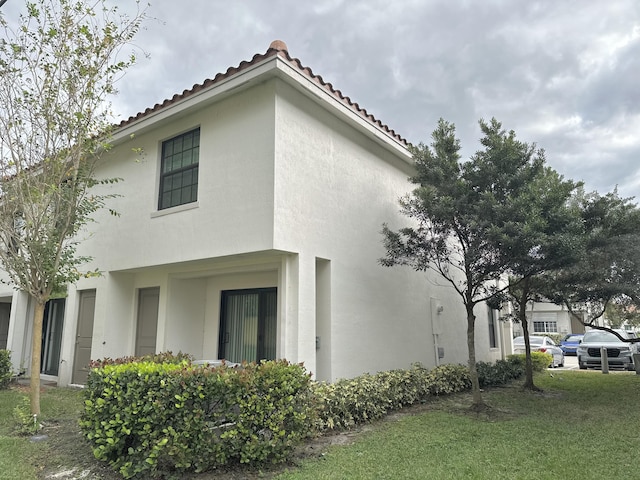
(6,369)
(27,422)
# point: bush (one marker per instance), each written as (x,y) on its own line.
(147,418)
(6,369)
(448,379)
(540,361)
(351,402)
(501,372)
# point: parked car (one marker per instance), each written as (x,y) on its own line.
(542,344)
(570,343)
(619,353)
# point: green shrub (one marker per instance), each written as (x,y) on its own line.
(346,403)
(501,372)
(6,369)
(448,379)
(147,418)
(540,361)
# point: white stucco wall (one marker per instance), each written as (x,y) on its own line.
(234,211)
(334,190)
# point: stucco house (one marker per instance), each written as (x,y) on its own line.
(249,228)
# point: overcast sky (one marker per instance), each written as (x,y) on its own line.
(563,74)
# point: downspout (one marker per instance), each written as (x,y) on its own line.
(436,311)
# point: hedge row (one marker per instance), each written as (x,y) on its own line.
(162,415)
(346,403)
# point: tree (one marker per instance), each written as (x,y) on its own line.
(58,68)
(463,213)
(607,271)
(549,226)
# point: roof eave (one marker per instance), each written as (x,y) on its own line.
(195,101)
(280,67)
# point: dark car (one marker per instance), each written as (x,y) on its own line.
(570,343)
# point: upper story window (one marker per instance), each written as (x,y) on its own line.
(179,170)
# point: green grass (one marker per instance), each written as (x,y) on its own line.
(583,422)
(20,458)
(14,451)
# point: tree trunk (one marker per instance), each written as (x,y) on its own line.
(522,316)
(36,355)
(478,401)
(528,364)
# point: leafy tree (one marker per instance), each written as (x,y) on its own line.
(463,216)
(608,268)
(549,229)
(58,66)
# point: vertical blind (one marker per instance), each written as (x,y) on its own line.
(242,325)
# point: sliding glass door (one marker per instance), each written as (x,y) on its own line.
(248,325)
(52,336)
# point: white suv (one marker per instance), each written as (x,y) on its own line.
(619,353)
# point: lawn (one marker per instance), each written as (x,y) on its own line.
(64,449)
(583,424)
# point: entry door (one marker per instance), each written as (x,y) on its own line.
(5,312)
(52,336)
(84,336)
(248,325)
(148,300)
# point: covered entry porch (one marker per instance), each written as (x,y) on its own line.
(249,307)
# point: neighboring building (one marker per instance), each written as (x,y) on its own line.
(547,317)
(250,228)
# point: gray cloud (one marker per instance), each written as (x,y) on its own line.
(565,75)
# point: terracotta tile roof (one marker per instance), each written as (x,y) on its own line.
(279,48)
